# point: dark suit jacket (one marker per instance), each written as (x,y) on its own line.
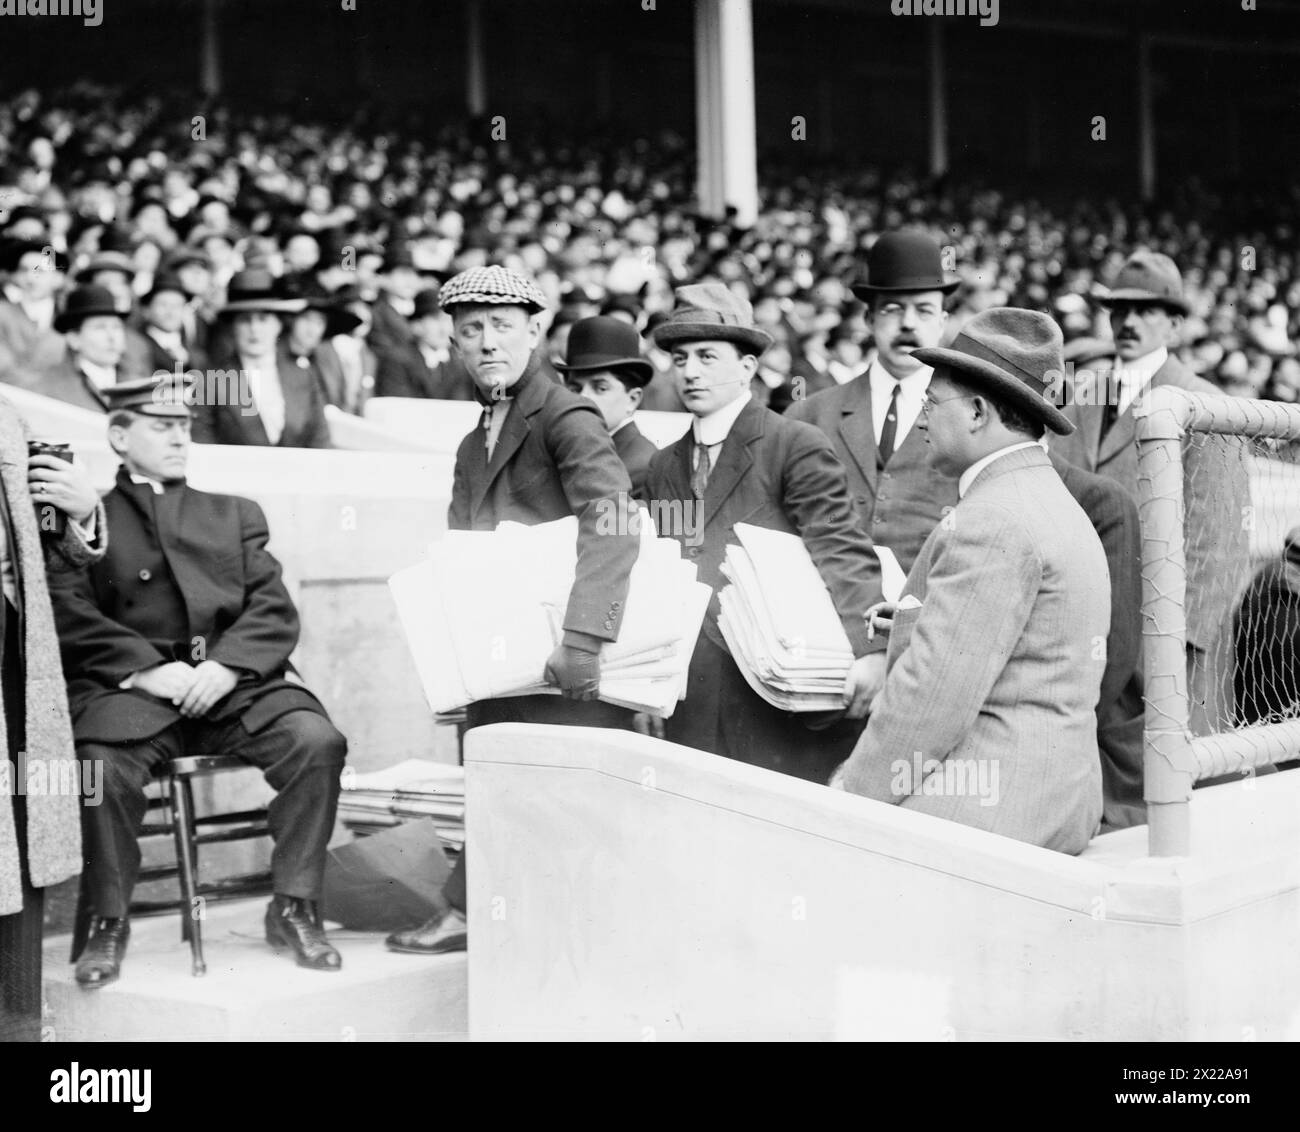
(898,506)
(1216,489)
(554,458)
(1120,711)
(783,475)
(186,578)
(161,358)
(390,332)
(64,381)
(636,452)
(405,373)
(304,412)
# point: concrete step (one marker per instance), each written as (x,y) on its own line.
(251,993)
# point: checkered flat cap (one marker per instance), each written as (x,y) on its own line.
(492,285)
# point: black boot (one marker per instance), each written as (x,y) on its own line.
(294,923)
(100,962)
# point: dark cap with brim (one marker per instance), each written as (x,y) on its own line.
(166,395)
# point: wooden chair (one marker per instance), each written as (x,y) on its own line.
(176,816)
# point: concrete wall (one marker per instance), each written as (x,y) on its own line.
(623,887)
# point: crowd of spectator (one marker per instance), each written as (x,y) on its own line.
(122,192)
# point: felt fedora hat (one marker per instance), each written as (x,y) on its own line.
(1014,354)
(1146,277)
(905,261)
(164,281)
(711,312)
(83,303)
(258,290)
(426,303)
(604,342)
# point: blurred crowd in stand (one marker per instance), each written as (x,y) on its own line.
(126,223)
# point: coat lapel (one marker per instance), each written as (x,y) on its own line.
(735,459)
(857,428)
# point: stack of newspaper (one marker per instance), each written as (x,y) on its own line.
(780,624)
(485,611)
(411,789)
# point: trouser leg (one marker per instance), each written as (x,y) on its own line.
(111,829)
(301,755)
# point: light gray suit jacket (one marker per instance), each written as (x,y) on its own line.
(993,682)
(1216,492)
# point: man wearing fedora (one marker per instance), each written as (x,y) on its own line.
(897,494)
(278,403)
(604,364)
(425,365)
(1146,311)
(178,640)
(741,462)
(96,340)
(987,715)
(540,453)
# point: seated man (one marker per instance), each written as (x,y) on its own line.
(179,641)
(987,716)
(604,364)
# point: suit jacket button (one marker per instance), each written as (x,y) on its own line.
(616,605)
(609,624)
(145,575)
(693,551)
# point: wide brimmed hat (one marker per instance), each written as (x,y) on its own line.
(1146,277)
(83,303)
(258,290)
(338,319)
(604,342)
(1013,354)
(166,395)
(107,261)
(494,286)
(905,261)
(711,312)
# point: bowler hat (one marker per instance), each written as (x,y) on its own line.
(1146,277)
(426,303)
(604,342)
(166,395)
(904,261)
(711,312)
(258,290)
(165,281)
(106,261)
(83,303)
(1013,354)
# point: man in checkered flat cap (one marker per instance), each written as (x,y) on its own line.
(540,453)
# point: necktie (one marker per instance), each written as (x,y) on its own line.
(1110,413)
(700,473)
(885,449)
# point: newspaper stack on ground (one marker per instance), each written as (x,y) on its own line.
(485,611)
(411,789)
(780,624)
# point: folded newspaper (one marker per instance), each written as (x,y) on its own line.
(483,613)
(780,623)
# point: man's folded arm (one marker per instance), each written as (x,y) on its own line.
(262,637)
(599,493)
(92,643)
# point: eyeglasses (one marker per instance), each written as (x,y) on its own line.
(927,401)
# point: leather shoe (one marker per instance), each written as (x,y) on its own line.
(294,923)
(447,931)
(100,961)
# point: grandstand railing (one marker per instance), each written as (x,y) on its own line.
(1174,759)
